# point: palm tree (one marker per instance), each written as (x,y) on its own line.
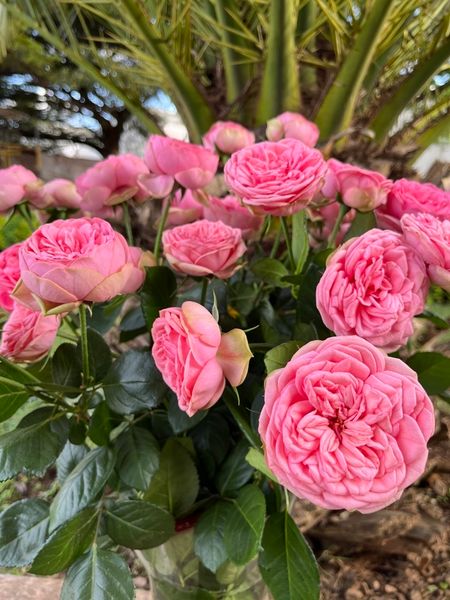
(354,66)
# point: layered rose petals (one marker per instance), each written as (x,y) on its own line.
(292,125)
(9,275)
(13,185)
(227,137)
(231,212)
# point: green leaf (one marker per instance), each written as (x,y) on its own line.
(139,524)
(433,370)
(100,425)
(68,459)
(286,563)
(158,292)
(66,366)
(137,457)
(98,575)
(105,314)
(245,525)
(300,240)
(16,373)
(29,449)
(12,396)
(361,223)
(175,485)
(242,297)
(23,529)
(209,531)
(133,383)
(280,355)
(235,471)
(132,325)
(179,420)
(82,486)
(211,440)
(270,270)
(66,544)
(256,459)
(100,358)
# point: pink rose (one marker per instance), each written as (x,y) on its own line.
(372,287)
(184,208)
(227,137)
(412,197)
(9,275)
(13,185)
(64,263)
(231,212)
(61,193)
(360,188)
(190,165)
(330,188)
(322,220)
(28,335)
(276,178)
(292,125)
(346,426)
(194,358)
(204,248)
(430,237)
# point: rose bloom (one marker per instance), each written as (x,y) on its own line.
(346,426)
(184,208)
(28,335)
(9,275)
(67,262)
(412,197)
(292,125)
(360,188)
(322,220)
(276,178)
(204,248)
(13,185)
(372,287)
(194,358)
(227,137)
(192,166)
(60,193)
(330,188)
(231,212)
(430,237)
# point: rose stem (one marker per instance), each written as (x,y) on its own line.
(337,225)
(84,344)
(162,223)
(127,223)
(276,243)
(205,282)
(288,242)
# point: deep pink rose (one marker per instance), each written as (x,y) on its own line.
(77,260)
(9,275)
(28,335)
(13,185)
(204,248)
(194,358)
(184,208)
(231,212)
(360,188)
(60,193)
(292,125)
(430,237)
(346,426)
(276,178)
(190,165)
(372,287)
(322,220)
(227,137)
(413,197)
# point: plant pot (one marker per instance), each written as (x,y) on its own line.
(176,573)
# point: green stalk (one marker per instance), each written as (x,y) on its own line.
(127,223)
(205,283)
(284,227)
(84,344)
(343,210)
(161,225)
(337,109)
(280,90)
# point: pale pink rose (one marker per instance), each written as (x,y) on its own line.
(227,137)
(193,357)
(372,287)
(276,178)
(192,166)
(360,188)
(60,193)
(9,275)
(28,335)
(330,189)
(292,125)
(204,248)
(412,197)
(184,208)
(67,262)
(231,212)
(345,426)
(13,185)
(114,180)
(430,237)
(322,220)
